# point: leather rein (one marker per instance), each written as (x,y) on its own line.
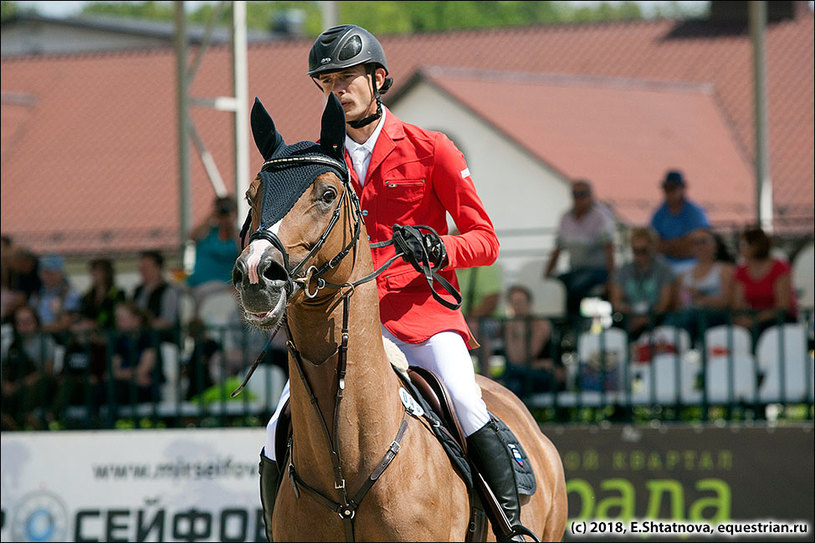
(347,505)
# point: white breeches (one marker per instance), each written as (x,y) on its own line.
(446,355)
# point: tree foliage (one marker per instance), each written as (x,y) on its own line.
(395,17)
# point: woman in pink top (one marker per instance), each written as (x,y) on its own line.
(763,285)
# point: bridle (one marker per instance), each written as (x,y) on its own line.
(295,275)
(347,506)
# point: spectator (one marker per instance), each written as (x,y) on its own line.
(202,364)
(480,296)
(135,362)
(641,292)
(216,249)
(675,221)
(23,270)
(99,302)
(156,296)
(57,302)
(586,232)
(10,298)
(83,373)
(763,292)
(704,288)
(27,373)
(531,363)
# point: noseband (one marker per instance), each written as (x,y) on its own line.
(296,275)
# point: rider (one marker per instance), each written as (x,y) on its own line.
(404,174)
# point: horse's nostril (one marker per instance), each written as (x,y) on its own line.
(274,271)
(237,275)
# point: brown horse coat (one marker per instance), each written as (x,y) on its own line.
(419,497)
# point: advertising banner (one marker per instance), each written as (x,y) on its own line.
(678,483)
(143,485)
(702,482)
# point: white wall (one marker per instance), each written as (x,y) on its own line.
(517,190)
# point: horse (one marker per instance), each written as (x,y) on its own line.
(360,465)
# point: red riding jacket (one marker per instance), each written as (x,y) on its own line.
(416,176)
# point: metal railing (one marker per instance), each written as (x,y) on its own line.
(586,374)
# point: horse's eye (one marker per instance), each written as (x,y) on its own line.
(328,196)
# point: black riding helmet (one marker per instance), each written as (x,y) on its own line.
(345,46)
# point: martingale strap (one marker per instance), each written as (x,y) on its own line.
(347,507)
(347,510)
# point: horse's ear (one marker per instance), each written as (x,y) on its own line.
(266,136)
(332,133)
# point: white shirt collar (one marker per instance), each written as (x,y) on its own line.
(360,153)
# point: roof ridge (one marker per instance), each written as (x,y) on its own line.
(520,76)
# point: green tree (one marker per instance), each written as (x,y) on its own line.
(8,10)
(400,17)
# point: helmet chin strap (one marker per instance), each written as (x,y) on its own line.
(374,116)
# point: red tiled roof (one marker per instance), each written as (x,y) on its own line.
(89,159)
(622,134)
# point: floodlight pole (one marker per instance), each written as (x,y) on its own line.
(241,90)
(183,119)
(764,187)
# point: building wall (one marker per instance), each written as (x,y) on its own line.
(518,191)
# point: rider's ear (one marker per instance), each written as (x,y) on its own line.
(332,133)
(266,136)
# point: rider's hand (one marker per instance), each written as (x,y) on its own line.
(421,244)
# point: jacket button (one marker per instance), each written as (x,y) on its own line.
(364,212)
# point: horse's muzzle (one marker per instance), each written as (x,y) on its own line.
(261,284)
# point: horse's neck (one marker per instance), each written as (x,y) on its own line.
(368,413)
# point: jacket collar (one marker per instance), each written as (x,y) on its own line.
(385,144)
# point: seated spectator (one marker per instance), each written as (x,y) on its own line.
(135,361)
(57,302)
(203,361)
(216,249)
(532,365)
(156,296)
(82,379)
(100,300)
(586,232)
(763,293)
(27,373)
(675,221)
(704,291)
(641,291)
(10,297)
(22,276)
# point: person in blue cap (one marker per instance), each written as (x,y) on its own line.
(675,222)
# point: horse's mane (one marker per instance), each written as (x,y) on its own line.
(395,356)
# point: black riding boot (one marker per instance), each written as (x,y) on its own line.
(493,460)
(269,481)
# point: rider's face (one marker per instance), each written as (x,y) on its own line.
(352,86)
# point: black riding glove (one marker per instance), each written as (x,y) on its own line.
(418,245)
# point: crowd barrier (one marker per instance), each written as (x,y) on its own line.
(664,374)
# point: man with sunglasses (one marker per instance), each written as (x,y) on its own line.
(586,231)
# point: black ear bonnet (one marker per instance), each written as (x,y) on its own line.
(288,173)
(290,169)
